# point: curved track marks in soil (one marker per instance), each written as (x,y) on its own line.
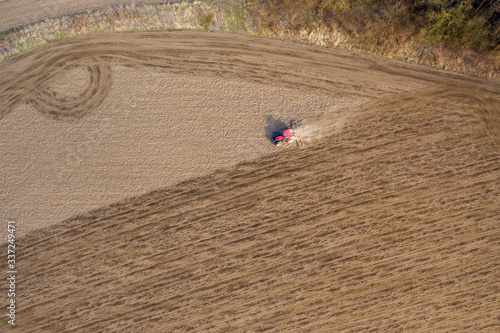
(480,102)
(48,102)
(392,225)
(483,104)
(311,69)
(32,85)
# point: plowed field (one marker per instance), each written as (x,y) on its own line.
(387,220)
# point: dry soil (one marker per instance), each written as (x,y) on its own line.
(387,220)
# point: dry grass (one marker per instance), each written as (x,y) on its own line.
(386,28)
(186,15)
(269,19)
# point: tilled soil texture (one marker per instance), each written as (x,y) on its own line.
(393,229)
(106,131)
(91,120)
(311,69)
(387,220)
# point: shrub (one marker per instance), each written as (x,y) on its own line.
(452,30)
(206,20)
(463,24)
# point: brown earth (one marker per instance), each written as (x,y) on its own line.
(388,220)
(124,131)
(153,129)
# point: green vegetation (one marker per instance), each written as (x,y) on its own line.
(462,35)
(206,20)
(234,16)
(464,24)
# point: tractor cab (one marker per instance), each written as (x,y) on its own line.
(285,136)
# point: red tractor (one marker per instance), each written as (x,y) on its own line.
(287,136)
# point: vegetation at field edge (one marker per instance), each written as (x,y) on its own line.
(458,35)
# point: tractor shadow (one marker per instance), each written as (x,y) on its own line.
(274,126)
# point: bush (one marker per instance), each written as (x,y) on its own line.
(464,24)
(453,29)
(206,20)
